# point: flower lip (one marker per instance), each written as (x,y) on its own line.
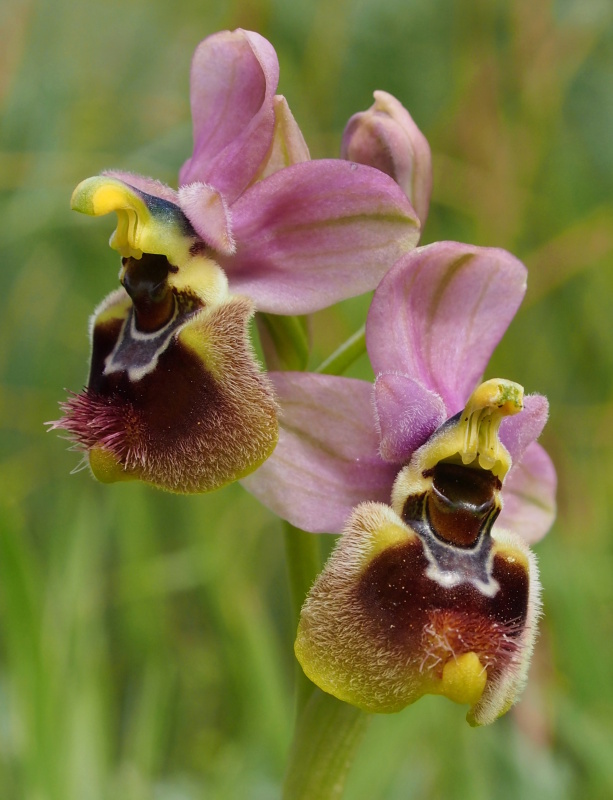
(184,408)
(379,630)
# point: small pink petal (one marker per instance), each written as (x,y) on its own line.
(407,414)
(529,494)
(233,81)
(316,233)
(206,209)
(288,144)
(439,313)
(327,459)
(519,431)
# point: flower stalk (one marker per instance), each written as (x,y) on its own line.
(327,736)
(303,555)
(327,731)
(344,356)
(284,340)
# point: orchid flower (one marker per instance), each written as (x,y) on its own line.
(436,482)
(175,395)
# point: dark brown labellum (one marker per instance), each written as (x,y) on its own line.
(400,605)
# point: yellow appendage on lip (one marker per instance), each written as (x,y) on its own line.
(110,198)
(100,195)
(463,680)
(106,468)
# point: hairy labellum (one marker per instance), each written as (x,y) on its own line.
(197,414)
(426,597)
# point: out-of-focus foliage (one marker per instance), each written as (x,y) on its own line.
(145,639)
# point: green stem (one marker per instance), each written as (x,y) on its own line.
(325,742)
(345,355)
(303,555)
(288,341)
(327,731)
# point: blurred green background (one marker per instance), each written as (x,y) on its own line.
(145,639)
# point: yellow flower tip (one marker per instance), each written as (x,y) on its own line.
(82,197)
(488,405)
(145,224)
(463,680)
(497,396)
(106,468)
(101,194)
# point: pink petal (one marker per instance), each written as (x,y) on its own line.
(316,233)
(407,414)
(148,185)
(326,461)
(288,145)
(529,494)
(234,77)
(440,312)
(519,431)
(207,211)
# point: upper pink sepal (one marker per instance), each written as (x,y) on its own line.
(439,313)
(288,145)
(234,77)
(316,233)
